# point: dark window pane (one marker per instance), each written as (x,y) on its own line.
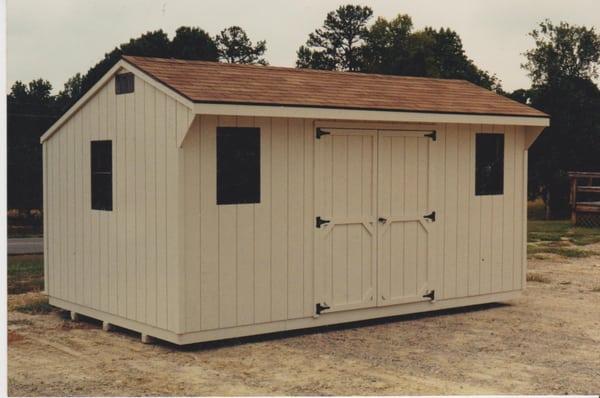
(238,165)
(101,175)
(489,160)
(124,83)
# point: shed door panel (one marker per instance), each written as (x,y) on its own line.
(404,254)
(345,276)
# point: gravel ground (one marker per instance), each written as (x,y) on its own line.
(547,342)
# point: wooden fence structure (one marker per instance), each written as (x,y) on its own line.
(585,198)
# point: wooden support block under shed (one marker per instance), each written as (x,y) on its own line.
(74,316)
(146,339)
(107,327)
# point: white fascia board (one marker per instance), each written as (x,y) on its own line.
(364,115)
(121,64)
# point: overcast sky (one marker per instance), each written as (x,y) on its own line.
(56,39)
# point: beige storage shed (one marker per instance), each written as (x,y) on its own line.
(194,201)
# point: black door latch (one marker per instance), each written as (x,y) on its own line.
(321,307)
(430,295)
(321,133)
(321,221)
(430,216)
(432,135)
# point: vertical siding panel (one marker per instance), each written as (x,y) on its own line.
(192,224)
(245,253)
(450,207)
(130,149)
(45,201)
(474,219)
(408,231)
(70,155)
(369,208)
(52,212)
(63,211)
(161,210)
(140,198)
(78,209)
(151,195)
(423,185)
(462,229)
(355,232)
(89,232)
(95,236)
(339,238)
(121,205)
(184,121)
(227,255)
(309,217)
(520,218)
(439,153)
(113,226)
(209,228)
(508,213)
(497,235)
(172,199)
(104,216)
(486,243)
(262,229)
(279,149)
(295,210)
(49,211)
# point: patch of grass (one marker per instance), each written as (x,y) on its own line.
(555,231)
(535,277)
(36,306)
(561,251)
(25,273)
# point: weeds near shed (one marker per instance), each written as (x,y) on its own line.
(556,231)
(25,274)
(535,277)
(36,306)
(570,252)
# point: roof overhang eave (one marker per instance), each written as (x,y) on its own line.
(364,114)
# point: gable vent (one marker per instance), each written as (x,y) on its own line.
(124,83)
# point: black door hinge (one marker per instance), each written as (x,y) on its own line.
(321,307)
(432,135)
(321,221)
(321,132)
(430,295)
(430,216)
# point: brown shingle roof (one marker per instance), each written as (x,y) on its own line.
(214,82)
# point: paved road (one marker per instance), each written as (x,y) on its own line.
(25,245)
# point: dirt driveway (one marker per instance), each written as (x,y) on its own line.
(546,342)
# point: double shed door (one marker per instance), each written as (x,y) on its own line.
(372,236)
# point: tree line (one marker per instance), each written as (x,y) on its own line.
(563,66)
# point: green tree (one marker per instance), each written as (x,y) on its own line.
(195,44)
(562,51)
(386,43)
(235,47)
(31,109)
(393,48)
(562,66)
(338,44)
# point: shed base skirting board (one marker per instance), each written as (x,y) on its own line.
(285,325)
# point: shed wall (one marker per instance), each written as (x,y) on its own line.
(126,261)
(254,263)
